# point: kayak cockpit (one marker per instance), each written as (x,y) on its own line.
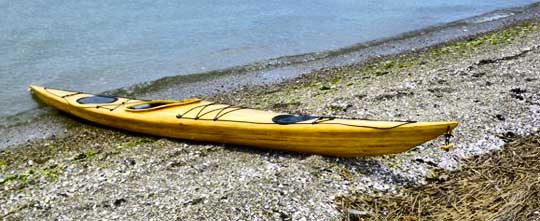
(159,104)
(134,105)
(144,106)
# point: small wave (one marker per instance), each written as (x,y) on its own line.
(493,17)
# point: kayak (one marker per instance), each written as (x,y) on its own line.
(201,120)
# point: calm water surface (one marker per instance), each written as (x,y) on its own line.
(102,45)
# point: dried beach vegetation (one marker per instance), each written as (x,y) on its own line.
(503,185)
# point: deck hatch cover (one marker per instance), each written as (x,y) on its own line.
(97,99)
(292,119)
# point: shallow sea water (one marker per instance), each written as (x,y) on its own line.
(102,45)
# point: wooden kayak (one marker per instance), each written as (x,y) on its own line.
(200,120)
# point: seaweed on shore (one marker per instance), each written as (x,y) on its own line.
(503,185)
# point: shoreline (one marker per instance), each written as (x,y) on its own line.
(93,171)
(285,68)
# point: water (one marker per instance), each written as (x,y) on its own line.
(101,45)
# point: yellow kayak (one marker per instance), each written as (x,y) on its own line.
(196,119)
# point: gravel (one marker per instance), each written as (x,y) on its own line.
(492,89)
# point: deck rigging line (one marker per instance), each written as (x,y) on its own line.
(318,120)
(104,106)
(222,111)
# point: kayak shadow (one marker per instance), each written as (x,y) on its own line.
(263,152)
(369,166)
(355,166)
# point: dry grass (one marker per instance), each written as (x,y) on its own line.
(503,185)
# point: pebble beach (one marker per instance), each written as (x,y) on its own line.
(489,83)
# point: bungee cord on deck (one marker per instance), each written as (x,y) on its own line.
(318,119)
(222,111)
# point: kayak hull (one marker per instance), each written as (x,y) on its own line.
(200,120)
